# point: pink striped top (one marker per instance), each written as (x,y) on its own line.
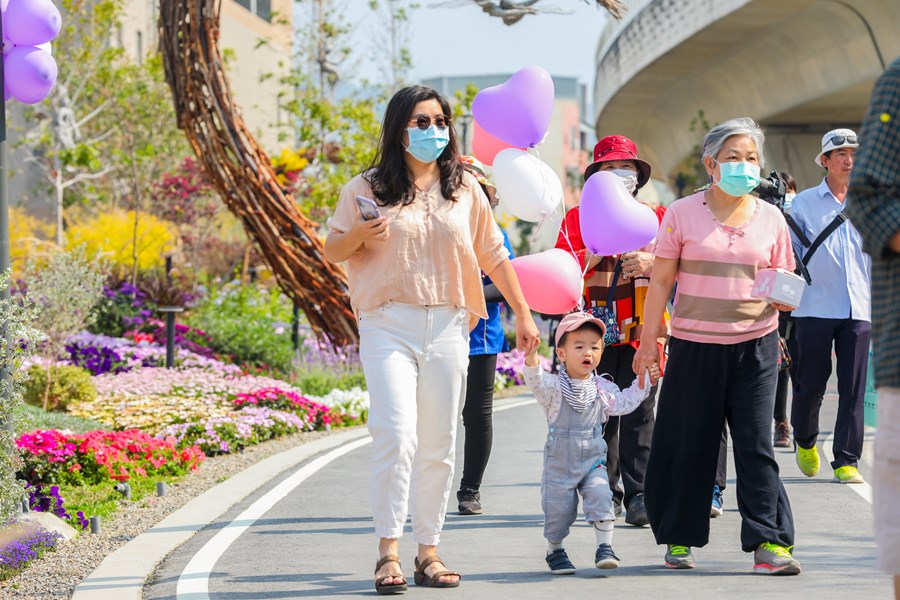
(716,268)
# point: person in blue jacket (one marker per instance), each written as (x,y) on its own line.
(486,340)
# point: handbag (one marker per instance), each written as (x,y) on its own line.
(607,313)
(784,356)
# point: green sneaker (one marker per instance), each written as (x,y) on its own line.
(808,460)
(772,559)
(848,474)
(679,557)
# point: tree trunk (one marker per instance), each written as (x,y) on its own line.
(241,171)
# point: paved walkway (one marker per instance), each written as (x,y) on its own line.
(308,534)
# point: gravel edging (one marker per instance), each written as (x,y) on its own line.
(56,574)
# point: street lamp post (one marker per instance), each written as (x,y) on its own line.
(170,312)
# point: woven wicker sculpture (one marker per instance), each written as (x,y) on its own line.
(241,171)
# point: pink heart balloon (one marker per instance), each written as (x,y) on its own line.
(518,111)
(30,74)
(31,22)
(612,221)
(485,147)
(550,280)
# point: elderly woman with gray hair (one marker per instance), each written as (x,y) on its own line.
(723,352)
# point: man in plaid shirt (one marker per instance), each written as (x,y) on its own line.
(874,208)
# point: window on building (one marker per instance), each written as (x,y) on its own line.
(260,8)
(140,47)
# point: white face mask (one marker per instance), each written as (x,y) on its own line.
(788,200)
(628,177)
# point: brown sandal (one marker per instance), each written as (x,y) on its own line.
(432,580)
(393,588)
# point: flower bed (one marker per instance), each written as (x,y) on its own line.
(234,432)
(21,543)
(151,412)
(52,456)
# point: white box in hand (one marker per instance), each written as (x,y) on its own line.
(778,285)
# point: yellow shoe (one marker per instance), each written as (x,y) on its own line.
(808,460)
(848,474)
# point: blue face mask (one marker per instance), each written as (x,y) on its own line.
(738,178)
(427,144)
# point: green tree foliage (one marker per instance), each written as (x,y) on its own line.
(108,128)
(691,174)
(64,289)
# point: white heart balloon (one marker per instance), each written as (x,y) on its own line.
(528,187)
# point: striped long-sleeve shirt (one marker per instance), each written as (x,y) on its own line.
(717,265)
(873,205)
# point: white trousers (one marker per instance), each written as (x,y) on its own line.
(886,485)
(415,360)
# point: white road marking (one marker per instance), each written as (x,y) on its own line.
(193,583)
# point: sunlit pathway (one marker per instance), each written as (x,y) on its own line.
(318,540)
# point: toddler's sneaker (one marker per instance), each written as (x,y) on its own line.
(848,474)
(679,557)
(605,558)
(772,559)
(718,501)
(559,563)
(808,460)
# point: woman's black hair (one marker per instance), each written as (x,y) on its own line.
(789,182)
(388,174)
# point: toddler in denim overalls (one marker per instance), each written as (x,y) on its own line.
(577,403)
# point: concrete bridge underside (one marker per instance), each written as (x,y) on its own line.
(799,67)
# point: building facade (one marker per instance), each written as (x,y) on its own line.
(799,68)
(256,40)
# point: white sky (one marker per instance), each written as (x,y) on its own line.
(467,41)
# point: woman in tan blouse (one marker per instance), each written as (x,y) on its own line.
(415,279)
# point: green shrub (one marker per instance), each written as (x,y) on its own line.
(318,382)
(68,385)
(252,325)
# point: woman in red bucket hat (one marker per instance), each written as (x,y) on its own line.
(617,286)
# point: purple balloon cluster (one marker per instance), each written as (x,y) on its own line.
(28,28)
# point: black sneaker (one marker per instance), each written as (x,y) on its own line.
(605,558)
(636,513)
(559,563)
(469,501)
(617,507)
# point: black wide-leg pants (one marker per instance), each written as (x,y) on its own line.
(705,386)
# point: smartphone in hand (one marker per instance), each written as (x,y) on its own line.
(368,208)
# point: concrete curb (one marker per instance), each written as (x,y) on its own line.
(122,574)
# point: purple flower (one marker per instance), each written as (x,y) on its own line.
(31,543)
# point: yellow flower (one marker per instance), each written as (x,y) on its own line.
(112,234)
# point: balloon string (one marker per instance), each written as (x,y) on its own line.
(587,255)
(544,219)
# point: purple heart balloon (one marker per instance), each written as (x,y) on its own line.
(30,74)
(612,221)
(517,111)
(31,22)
